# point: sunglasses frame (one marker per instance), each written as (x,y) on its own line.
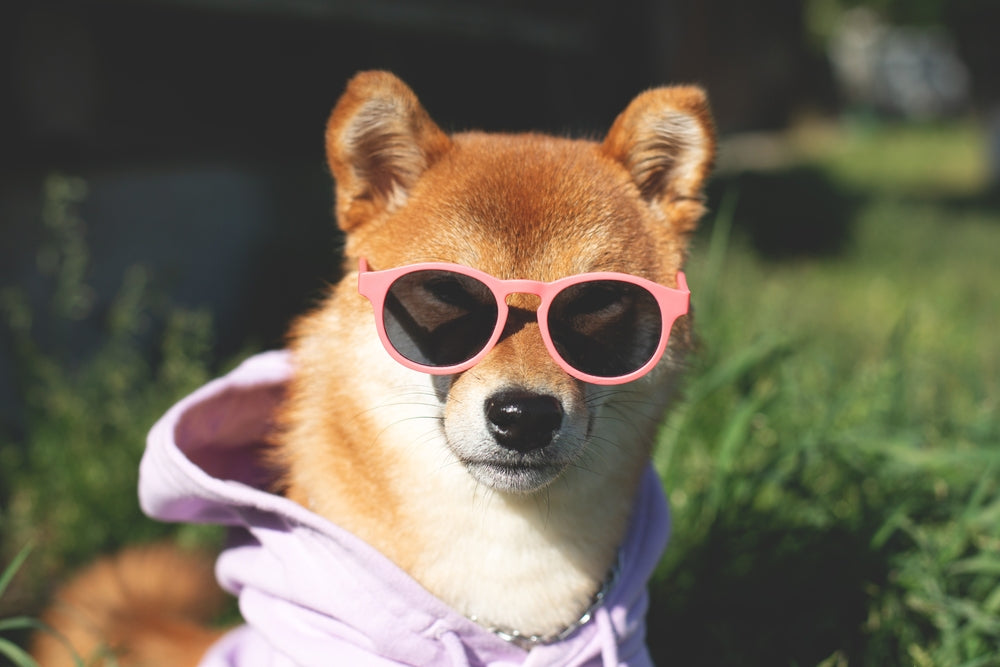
(375,285)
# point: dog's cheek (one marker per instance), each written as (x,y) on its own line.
(464,420)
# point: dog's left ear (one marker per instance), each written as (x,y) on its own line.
(666,140)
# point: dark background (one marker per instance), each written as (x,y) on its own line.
(198,126)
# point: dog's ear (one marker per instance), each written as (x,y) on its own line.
(379,140)
(666,140)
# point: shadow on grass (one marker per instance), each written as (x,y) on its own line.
(986,203)
(788,213)
(757,592)
(801,212)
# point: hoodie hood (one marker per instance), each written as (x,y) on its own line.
(312,593)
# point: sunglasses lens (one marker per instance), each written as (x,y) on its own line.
(439,318)
(605,328)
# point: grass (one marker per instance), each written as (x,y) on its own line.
(68,473)
(14,653)
(833,470)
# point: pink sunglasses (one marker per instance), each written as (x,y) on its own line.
(603,328)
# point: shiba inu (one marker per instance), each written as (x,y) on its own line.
(450,463)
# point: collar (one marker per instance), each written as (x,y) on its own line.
(530,641)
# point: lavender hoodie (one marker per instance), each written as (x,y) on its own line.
(313,594)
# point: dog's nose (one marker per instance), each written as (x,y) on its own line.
(523,420)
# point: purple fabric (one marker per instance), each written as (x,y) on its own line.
(313,594)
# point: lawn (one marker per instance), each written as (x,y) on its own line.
(833,468)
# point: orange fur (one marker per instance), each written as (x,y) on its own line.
(143,607)
(377,448)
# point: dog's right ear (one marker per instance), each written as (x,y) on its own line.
(665,138)
(379,140)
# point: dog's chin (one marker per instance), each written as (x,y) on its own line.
(520,478)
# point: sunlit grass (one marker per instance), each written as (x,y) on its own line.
(930,160)
(834,469)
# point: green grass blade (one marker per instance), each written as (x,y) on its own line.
(761,352)
(980,564)
(11,570)
(981,492)
(22,623)
(28,623)
(16,654)
(733,438)
(717,249)
(984,661)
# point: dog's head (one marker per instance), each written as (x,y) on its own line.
(515,207)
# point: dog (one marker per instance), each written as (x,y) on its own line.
(451,462)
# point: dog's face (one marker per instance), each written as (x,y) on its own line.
(520,207)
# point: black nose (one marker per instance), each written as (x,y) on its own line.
(523,420)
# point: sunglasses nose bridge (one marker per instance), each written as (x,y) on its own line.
(522,294)
(523,300)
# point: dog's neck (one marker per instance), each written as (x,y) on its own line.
(528,640)
(532,564)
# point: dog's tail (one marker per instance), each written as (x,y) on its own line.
(147,606)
